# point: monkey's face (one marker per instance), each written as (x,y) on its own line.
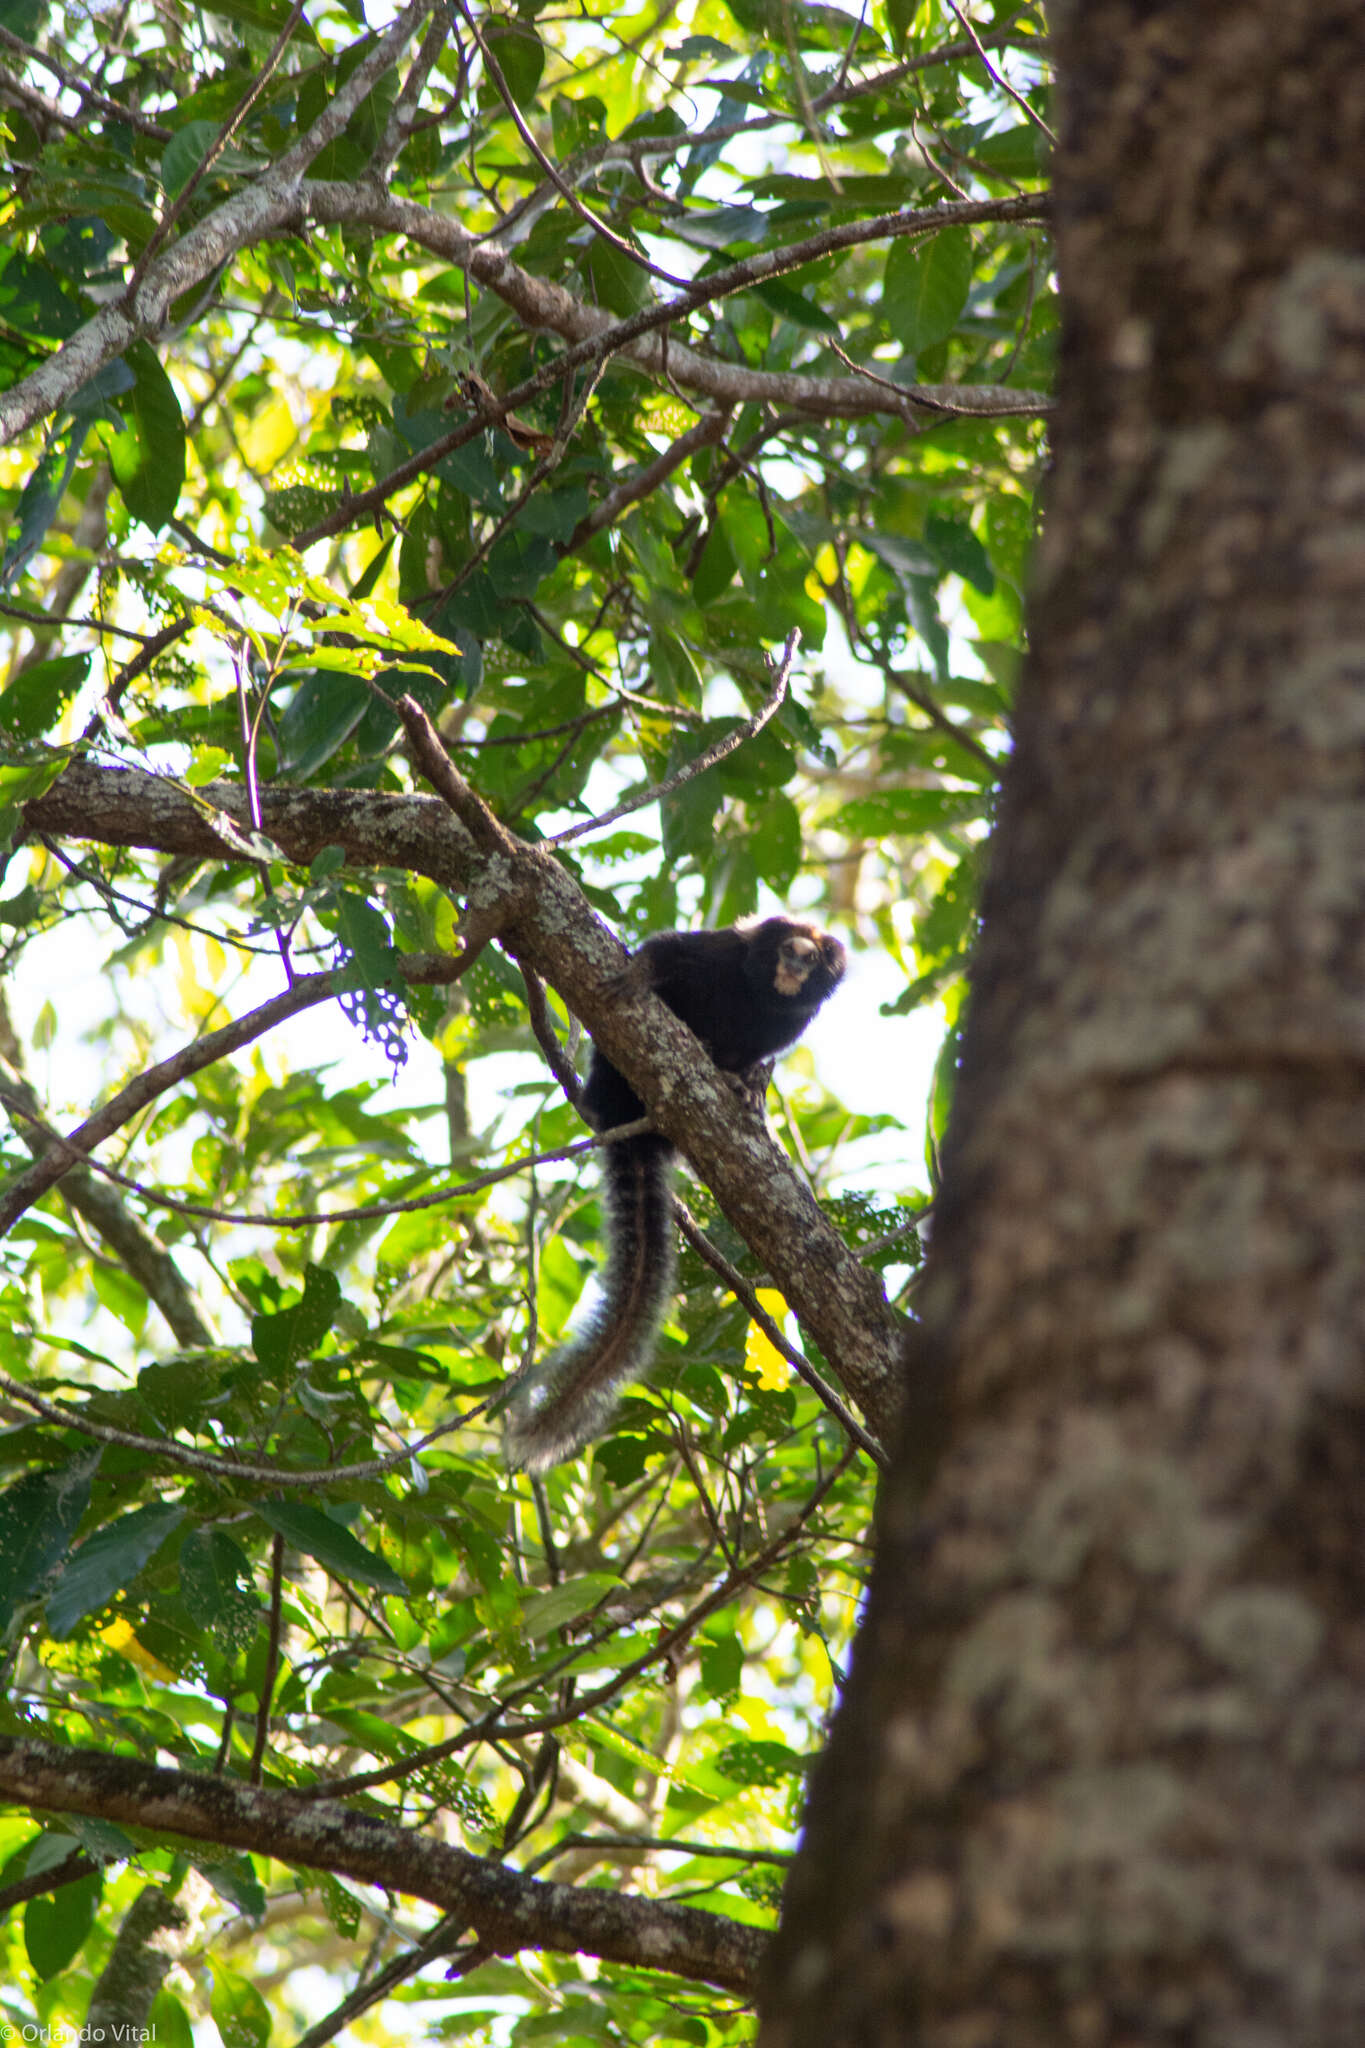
(806,954)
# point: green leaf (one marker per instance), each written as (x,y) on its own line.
(760,1763)
(178,1391)
(107,1561)
(364,931)
(520,56)
(43,494)
(280,1341)
(909,811)
(103,1840)
(960,551)
(148,457)
(613,280)
(576,122)
(57,1923)
(794,306)
(691,48)
(324,711)
(1019,152)
(185,152)
(722,1666)
(717,566)
(239,2012)
(39,1515)
(33,300)
(554,514)
(924,290)
(37,697)
(169,2022)
(722,227)
(216,1586)
(542,1613)
(118,1292)
(341,1907)
(24,785)
(234,1879)
(318,1536)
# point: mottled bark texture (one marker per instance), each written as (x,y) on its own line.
(1098,1778)
(151,1937)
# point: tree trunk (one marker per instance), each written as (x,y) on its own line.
(1097,1778)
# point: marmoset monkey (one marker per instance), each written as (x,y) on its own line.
(748,993)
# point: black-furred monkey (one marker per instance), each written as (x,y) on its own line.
(748,993)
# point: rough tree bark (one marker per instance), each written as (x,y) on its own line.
(1098,1775)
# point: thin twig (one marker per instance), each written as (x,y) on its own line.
(27,1187)
(71,1867)
(642,482)
(552,171)
(309,1219)
(542,1023)
(229,1469)
(118,110)
(439,1941)
(215,149)
(551,461)
(402,114)
(744,1292)
(999,79)
(491,1725)
(691,769)
(272,1659)
(782,1858)
(890,384)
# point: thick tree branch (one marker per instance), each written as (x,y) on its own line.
(251,215)
(281,199)
(152,1935)
(593,333)
(508,1911)
(545,921)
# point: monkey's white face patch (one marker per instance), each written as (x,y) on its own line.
(794,963)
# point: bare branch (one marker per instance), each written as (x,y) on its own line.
(312,1219)
(27,1187)
(152,1934)
(494,1726)
(640,483)
(226,1469)
(71,1867)
(692,769)
(141,1253)
(508,1911)
(272,1658)
(551,169)
(998,77)
(68,79)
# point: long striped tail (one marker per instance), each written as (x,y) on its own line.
(568,1397)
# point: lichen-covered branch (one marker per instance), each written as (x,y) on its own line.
(508,1911)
